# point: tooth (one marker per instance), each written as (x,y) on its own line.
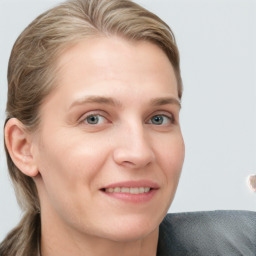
(116,190)
(110,190)
(125,190)
(146,190)
(134,190)
(141,190)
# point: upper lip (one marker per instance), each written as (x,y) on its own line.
(133,184)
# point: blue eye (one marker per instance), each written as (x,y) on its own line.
(160,120)
(94,119)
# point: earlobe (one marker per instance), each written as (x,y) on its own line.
(18,144)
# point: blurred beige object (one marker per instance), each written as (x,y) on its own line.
(252,182)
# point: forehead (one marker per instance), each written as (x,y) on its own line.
(114,55)
(107,65)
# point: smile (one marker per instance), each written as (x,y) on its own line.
(132,190)
(140,191)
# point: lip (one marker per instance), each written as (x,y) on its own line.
(132,198)
(139,183)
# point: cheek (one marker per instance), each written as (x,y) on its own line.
(70,162)
(66,175)
(172,157)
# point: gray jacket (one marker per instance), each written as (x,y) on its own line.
(213,233)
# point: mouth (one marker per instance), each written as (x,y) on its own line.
(134,192)
(129,190)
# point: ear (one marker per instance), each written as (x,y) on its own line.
(19,146)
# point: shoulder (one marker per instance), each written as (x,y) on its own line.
(210,233)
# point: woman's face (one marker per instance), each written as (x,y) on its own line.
(109,149)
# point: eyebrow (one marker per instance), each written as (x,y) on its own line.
(96,99)
(110,101)
(165,101)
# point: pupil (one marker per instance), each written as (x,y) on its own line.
(93,119)
(157,119)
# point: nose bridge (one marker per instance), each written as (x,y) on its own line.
(136,138)
(134,148)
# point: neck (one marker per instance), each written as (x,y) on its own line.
(85,245)
(59,239)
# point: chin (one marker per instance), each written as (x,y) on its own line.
(130,236)
(132,230)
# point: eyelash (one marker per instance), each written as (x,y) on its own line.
(98,116)
(169,117)
(163,116)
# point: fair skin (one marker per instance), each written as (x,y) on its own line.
(108,154)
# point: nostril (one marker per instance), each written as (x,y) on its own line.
(133,156)
(128,163)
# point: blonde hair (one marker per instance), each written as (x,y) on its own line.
(31,77)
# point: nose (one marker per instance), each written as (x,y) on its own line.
(133,149)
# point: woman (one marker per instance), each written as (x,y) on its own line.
(93,140)
(92,134)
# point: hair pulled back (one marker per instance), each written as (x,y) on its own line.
(31,77)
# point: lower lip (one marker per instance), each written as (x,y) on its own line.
(133,198)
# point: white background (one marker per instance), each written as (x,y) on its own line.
(217,42)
